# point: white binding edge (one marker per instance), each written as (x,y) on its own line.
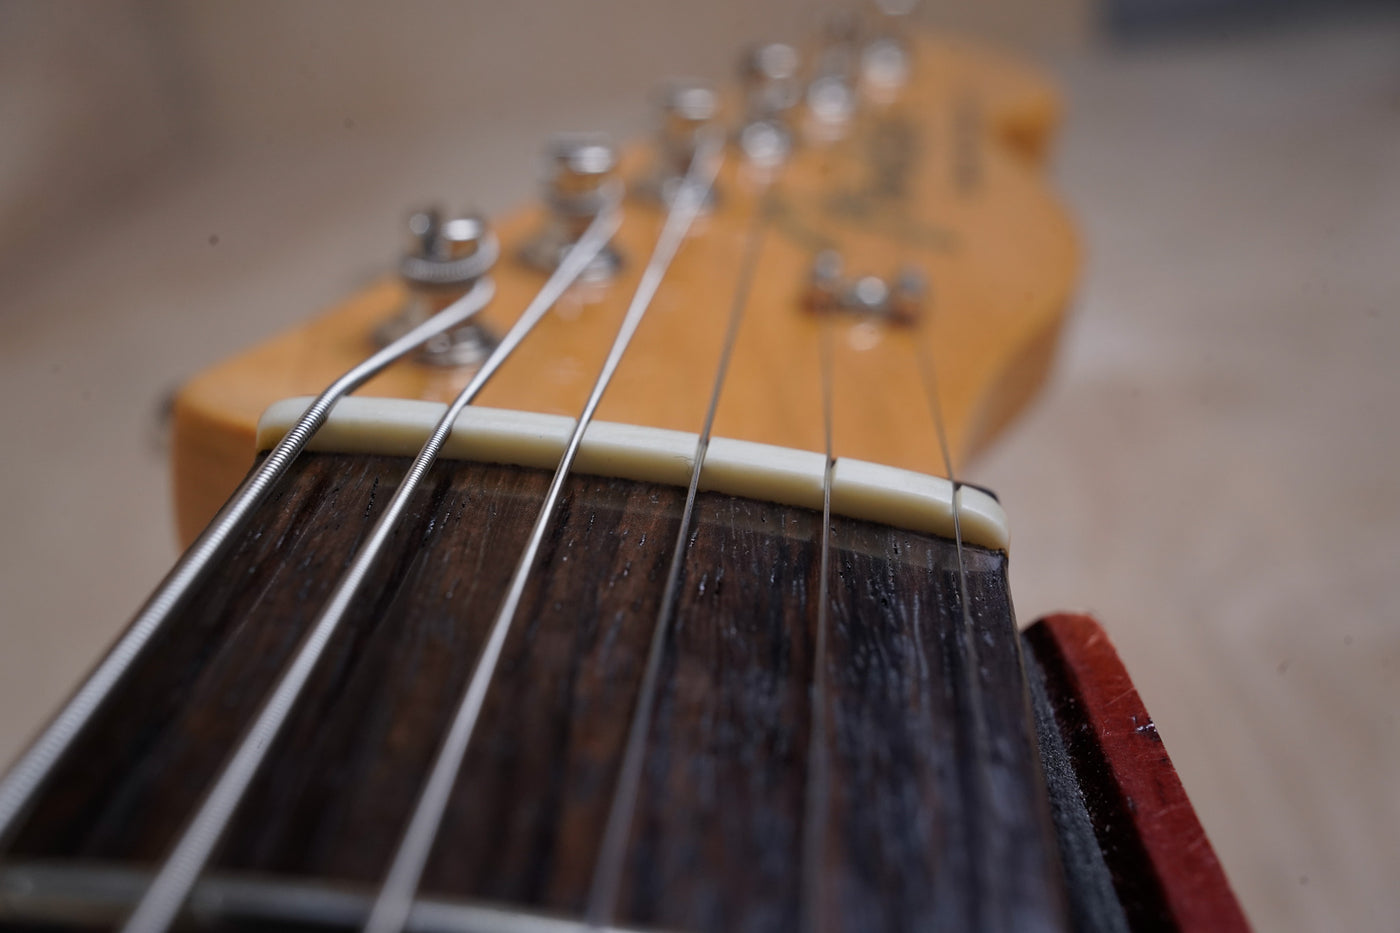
(862,490)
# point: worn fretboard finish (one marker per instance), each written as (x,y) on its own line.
(935,815)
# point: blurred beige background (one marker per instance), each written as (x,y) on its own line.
(1211,470)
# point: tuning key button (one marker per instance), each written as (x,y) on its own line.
(581,182)
(442,260)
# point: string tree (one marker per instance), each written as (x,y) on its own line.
(581,183)
(444,257)
(825,282)
(900,299)
(909,295)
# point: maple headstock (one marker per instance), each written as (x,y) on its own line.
(934,191)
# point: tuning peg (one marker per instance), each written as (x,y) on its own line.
(884,69)
(831,96)
(769,72)
(885,56)
(581,182)
(454,252)
(441,262)
(688,111)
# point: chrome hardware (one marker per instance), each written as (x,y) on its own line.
(909,296)
(765,143)
(582,182)
(831,102)
(900,301)
(831,95)
(443,259)
(885,58)
(688,111)
(769,72)
(771,89)
(884,69)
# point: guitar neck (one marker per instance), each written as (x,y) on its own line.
(925,710)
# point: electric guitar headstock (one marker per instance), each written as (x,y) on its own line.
(901,183)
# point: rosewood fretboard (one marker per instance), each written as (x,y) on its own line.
(937,815)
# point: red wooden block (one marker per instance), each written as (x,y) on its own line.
(1164,869)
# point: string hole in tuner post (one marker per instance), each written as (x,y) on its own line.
(443,259)
(581,182)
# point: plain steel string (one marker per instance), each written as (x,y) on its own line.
(967,179)
(608,875)
(162,901)
(818,765)
(33,768)
(929,375)
(395,899)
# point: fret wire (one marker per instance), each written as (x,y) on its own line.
(395,899)
(607,876)
(818,765)
(162,901)
(39,760)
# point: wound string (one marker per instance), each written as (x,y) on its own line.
(162,901)
(395,900)
(39,760)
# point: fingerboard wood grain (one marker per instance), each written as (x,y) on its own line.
(936,816)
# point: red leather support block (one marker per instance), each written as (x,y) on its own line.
(1164,869)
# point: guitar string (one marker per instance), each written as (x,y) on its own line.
(181,868)
(818,788)
(968,173)
(971,664)
(34,767)
(607,877)
(395,900)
